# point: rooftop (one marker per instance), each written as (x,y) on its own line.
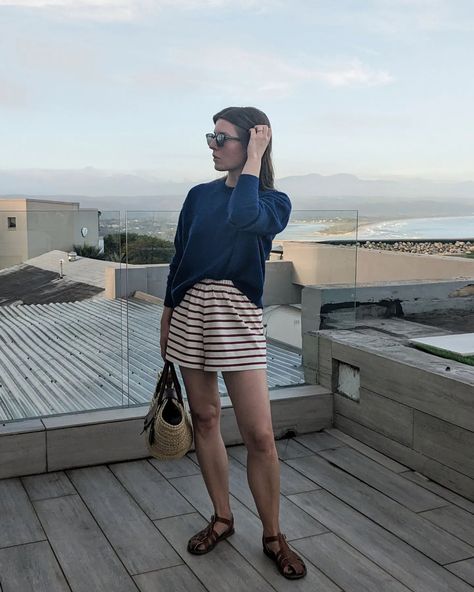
(64,357)
(362,522)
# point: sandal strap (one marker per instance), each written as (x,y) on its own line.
(208,534)
(270,539)
(285,556)
(224,520)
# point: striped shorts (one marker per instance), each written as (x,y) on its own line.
(217,327)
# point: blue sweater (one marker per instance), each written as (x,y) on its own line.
(226,233)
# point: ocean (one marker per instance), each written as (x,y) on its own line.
(456,227)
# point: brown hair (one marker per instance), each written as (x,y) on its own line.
(245,118)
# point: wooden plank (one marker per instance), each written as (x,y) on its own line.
(286,448)
(372,453)
(247,540)
(443,492)
(317,441)
(176,468)
(346,566)
(412,568)
(290,448)
(172,579)
(463,569)
(453,520)
(378,413)
(295,523)
(429,467)
(47,485)
(31,567)
(132,534)
(224,569)
(444,442)
(86,558)
(408,526)
(394,486)
(152,492)
(291,519)
(19,523)
(290,480)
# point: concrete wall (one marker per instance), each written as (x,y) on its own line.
(42,226)
(341,306)
(409,405)
(152,279)
(13,241)
(95,437)
(283,323)
(316,263)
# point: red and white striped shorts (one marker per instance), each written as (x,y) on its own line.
(217,327)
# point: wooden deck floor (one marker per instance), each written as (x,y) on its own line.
(363,523)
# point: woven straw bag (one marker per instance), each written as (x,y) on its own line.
(168,426)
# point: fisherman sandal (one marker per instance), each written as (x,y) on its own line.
(208,537)
(284,557)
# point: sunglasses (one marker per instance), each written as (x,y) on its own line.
(220,138)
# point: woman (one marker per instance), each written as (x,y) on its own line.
(213,320)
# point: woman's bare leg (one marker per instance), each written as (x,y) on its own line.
(250,398)
(205,408)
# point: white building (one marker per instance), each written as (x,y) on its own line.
(31,227)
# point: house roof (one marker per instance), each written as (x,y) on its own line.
(27,284)
(61,357)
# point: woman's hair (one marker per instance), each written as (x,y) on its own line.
(245,118)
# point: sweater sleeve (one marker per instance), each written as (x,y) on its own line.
(249,212)
(178,245)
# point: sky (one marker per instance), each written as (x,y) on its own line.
(374,88)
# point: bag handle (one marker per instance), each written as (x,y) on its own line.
(167,387)
(170,387)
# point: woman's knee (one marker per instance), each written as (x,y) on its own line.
(203,398)
(261,441)
(206,418)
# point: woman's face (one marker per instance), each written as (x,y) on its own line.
(232,155)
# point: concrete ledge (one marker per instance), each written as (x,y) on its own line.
(110,435)
(410,405)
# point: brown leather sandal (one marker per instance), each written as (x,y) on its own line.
(209,537)
(284,557)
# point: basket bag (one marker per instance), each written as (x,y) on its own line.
(168,426)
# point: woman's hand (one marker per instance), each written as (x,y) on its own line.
(164,330)
(259,141)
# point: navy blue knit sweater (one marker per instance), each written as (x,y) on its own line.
(226,233)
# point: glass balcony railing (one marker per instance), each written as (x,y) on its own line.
(81,299)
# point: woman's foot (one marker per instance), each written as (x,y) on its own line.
(288,562)
(205,540)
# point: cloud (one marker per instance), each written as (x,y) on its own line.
(13,95)
(131,10)
(352,74)
(63,59)
(113,10)
(400,16)
(253,73)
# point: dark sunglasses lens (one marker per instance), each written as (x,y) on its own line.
(219,138)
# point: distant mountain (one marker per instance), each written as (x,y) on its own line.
(397,196)
(344,185)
